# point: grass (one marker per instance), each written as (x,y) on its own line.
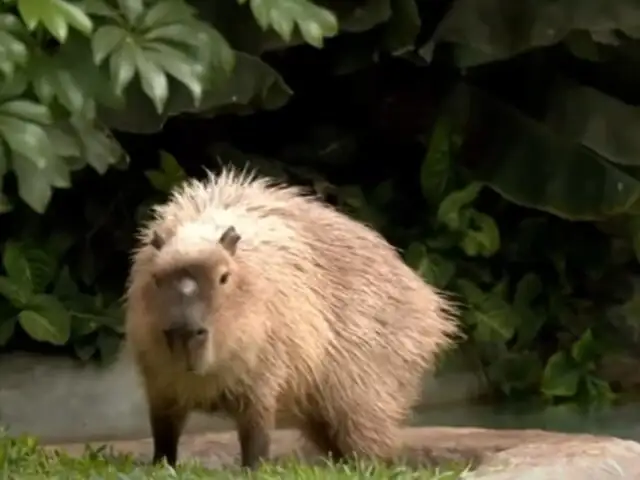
(23,458)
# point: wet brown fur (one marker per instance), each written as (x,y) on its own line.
(323,323)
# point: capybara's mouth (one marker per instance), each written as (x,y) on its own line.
(194,357)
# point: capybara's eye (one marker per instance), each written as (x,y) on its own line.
(224,278)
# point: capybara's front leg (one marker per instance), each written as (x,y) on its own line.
(254,427)
(167,421)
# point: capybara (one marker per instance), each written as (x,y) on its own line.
(252,298)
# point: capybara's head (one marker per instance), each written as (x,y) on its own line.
(188,289)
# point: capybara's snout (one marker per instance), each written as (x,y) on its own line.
(186,335)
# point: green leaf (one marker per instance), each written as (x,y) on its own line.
(403,28)
(74,16)
(501,288)
(13,54)
(122,65)
(64,142)
(87,316)
(170,166)
(46,320)
(178,65)
(183,33)
(585,350)
(56,15)
(16,266)
(55,22)
(314,22)
(449,212)
(108,345)
(170,175)
(159,180)
(527,290)
(35,184)
(114,317)
(516,371)
(85,350)
(6,205)
(153,80)
(132,9)
(65,287)
(494,319)
(415,254)
(435,174)
(433,268)
(99,8)
(28,111)
(561,376)
(55,81)
(97,145)
(13,51)
(30,12)
(106,39)
(530,323)
(7,328)
(25,137)
(76,59)
(481,235)
(599,391)
(470,291)
(167,12)
(13,292)
(42,267)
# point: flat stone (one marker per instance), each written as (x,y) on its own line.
(495,454)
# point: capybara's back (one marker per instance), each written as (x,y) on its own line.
(323,321)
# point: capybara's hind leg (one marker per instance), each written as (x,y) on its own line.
(367,435)
(319,432)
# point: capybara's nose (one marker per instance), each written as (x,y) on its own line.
(198,334)
(184,333)
(170,336)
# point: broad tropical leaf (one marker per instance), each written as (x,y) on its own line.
(484,31)
(536,164)
(600,122)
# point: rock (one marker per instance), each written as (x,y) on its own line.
(494,454)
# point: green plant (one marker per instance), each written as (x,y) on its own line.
(41,297)
(522,285)
(537,292)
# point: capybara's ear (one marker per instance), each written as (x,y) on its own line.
(229,240)
(157,241)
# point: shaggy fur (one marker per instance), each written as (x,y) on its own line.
(321,321)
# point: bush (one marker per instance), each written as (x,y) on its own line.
(501,193)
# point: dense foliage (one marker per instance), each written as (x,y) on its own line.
(515,187)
